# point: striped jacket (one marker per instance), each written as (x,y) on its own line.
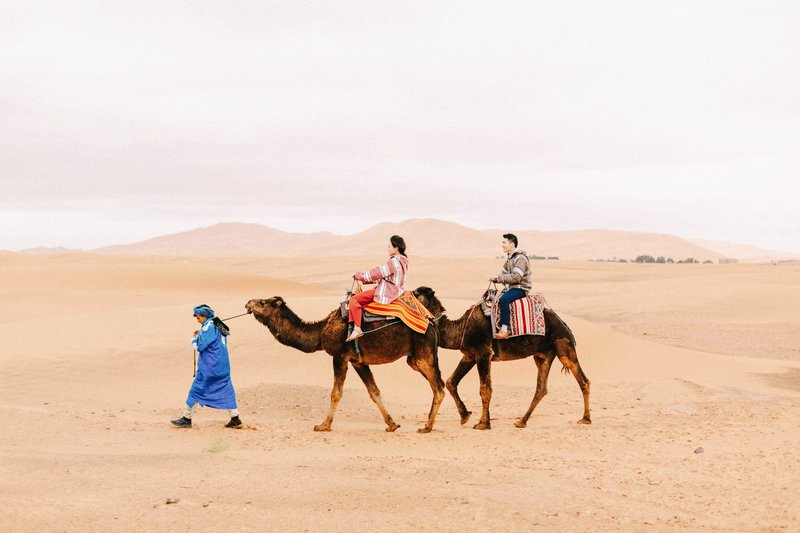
(389,276)
(516,272)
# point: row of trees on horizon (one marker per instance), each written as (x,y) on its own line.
(650,259)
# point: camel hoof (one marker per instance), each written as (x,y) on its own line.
(322,427)
(482,426)
(520,424)
(391,428)
(465,418)
(585,421)
(424,430)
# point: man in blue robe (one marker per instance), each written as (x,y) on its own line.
(212,385)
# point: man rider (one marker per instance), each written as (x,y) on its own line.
(516,275)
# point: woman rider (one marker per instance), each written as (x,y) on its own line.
(389,276)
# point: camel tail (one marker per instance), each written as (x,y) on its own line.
(573,342)
(571,335)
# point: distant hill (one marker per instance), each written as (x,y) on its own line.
(609,244)
(231,238)
(425,237)
(45,250)
(744,252)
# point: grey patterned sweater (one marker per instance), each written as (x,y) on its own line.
(516,271)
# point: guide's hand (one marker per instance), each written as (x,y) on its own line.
(196,332)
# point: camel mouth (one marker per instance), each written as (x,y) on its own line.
(262,308)
(257,306)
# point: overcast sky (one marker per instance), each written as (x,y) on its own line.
(121,121)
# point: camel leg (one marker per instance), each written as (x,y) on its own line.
(543,366)
(339,373)
(463,368)
(484,362)
(433,376)
(427,368)
(568,357)
(365,373)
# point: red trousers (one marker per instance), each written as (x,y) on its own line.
(357,301)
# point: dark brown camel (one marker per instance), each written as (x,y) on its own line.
(381,347)
(472,335)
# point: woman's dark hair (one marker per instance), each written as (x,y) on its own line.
(511,238)
(398,242)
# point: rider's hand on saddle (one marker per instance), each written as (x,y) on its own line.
(196,332)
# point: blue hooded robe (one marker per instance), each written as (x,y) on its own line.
(212,386)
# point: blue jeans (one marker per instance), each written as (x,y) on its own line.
(505,304)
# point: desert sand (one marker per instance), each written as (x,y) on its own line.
(97,360)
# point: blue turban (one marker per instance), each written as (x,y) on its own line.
(204,310)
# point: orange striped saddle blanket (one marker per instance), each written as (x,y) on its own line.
(407,308)
(527,315)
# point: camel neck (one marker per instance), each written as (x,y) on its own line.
(291,330)
(451,332)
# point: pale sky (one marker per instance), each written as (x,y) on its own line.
(121,121)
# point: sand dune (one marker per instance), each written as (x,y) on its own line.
(236,239)
(427,238)
(96,361)
(607,244)
(744,252)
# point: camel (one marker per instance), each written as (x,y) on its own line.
(472,335)
(381,347)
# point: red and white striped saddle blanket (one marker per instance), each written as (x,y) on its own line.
(527,316)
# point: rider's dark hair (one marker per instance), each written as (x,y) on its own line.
(398,242)
(511,238)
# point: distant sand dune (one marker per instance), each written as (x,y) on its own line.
(433,238)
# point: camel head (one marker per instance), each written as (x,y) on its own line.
(427,297)
(265,308)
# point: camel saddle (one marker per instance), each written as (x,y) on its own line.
(527,315)
(367,316)
(405,307)
(344,307)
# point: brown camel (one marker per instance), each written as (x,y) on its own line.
(384,346)
(472,335)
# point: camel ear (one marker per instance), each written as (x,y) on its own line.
(278,301)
